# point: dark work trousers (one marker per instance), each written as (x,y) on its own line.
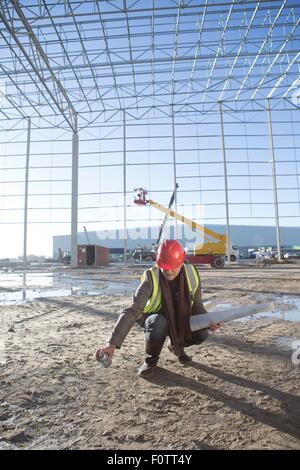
(156,330)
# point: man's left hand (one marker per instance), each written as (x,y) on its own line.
(214,326)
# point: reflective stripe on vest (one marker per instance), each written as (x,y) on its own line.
(154,302)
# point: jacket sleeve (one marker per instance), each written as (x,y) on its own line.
(131,314)
(198,307)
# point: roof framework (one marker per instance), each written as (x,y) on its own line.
(72,63)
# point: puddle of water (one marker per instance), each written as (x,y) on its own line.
(287,308)
(17,280)
(16,288)
(116,288)
(19,297)
(291,316)
(286,342)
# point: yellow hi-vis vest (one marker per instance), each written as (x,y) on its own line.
(154,302)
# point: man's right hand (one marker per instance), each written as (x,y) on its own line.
(108,348)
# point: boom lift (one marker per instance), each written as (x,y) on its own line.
(209,252)
(147,253)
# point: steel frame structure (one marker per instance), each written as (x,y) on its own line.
(74,64)
(88,59)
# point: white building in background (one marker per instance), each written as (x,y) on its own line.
(245,236)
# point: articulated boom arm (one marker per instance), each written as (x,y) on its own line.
(141,200)
(194,226)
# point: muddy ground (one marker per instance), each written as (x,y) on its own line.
(241,391)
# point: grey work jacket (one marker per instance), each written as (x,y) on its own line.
(135,312)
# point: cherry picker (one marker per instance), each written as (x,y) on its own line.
(213,249)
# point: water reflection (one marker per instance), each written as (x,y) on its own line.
(21,287)
(27,286)
(24,285)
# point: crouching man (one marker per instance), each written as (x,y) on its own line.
(169,293)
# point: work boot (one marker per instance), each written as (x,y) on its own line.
(153,351)
(183,358)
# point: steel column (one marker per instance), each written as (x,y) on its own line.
(225,181)
(124,187)
(274,181)
(26,193)
(74,201)
(174,170)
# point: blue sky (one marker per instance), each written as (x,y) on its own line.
(149,143)
(199,175)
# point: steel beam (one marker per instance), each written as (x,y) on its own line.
(275,196)
(50,82)
(124,188)
(174,171)
(74,201)
(225,182)
(26,193)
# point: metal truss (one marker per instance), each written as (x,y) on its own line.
(72,63)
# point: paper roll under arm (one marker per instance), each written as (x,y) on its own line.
(198,322)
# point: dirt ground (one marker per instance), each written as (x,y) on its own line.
(241,391)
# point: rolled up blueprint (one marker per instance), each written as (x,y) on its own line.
(199,322)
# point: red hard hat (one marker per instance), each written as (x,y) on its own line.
(170,255)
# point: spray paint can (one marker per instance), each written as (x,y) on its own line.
(104,359)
